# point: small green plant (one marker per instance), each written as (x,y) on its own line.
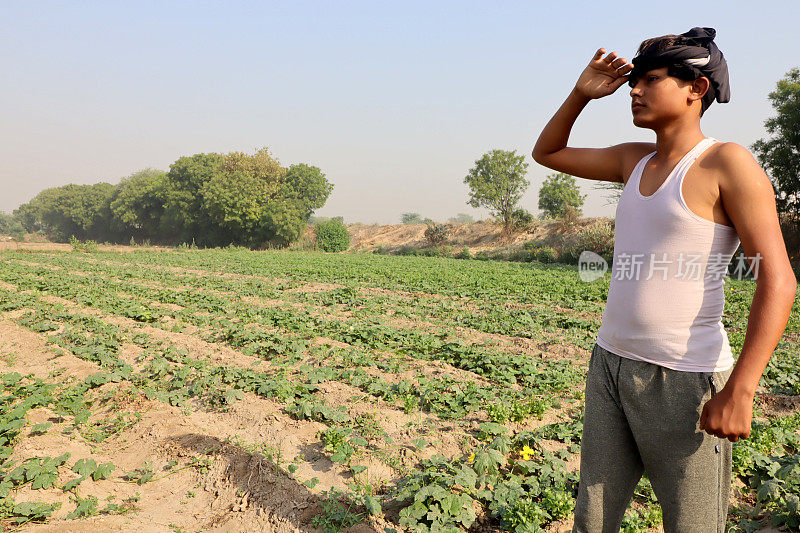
(558,503)
(335,516)
(341,447)
(41,429)
(141,475)
(82,246)
(85,507)
(525,515)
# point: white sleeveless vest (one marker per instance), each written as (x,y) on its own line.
(666,297)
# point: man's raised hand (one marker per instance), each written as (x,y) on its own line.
(603,75)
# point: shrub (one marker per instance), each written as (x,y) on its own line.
(437,233)
(407,249)
(306,242)
(522,255)
(81,246)
(568,220)
(495,255)
(546,254)
(464,253)
(521,218)
(332,236)
(533,244)
(598,238)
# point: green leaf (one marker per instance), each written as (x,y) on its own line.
(372,505)
(84,467)
(231,395)
(11,379)
(419,443)
(61,459)
(466,477)
(793,503)
(770,489)
(68,486)
(358,441)
(41,429)
(85,507)
(33,511)
(44,480)
(103,471)
(452,505)
(82,417)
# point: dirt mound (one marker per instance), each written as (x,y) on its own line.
(476,236)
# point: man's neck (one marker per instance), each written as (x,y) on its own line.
(674,140)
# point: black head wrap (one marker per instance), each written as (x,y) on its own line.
(696,56)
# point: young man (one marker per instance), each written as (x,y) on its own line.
(663,395)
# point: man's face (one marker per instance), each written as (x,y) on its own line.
(663,97)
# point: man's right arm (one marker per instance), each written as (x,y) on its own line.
(600,78)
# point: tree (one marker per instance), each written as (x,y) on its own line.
(462,218)
(411,218)
(184,206)
(498,181)
(559,191)
(211,199)
(137,205)
(11,225)
(27,214)
(82,211)
(308,184)
(614,190)
(779,155)
(236,206)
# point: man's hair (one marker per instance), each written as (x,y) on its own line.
(676,70)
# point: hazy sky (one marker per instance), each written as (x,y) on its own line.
(394,102)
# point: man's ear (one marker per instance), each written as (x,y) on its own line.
(699,87)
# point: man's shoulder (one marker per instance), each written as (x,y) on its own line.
(737,170)
(635,148)
(728,155)
(731,162)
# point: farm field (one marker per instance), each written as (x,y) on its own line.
(230,390)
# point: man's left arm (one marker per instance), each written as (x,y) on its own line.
(749,201)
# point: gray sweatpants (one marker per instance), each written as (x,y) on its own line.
(640,417)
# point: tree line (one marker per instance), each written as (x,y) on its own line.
(210,199)
(219,199)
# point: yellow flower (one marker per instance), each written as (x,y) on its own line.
(526,452)
(471,457)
